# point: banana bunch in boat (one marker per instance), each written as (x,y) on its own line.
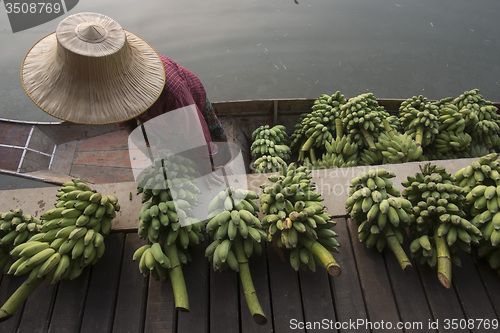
(169,176)
(361,120)
(268,163)
(483,118)
(237,235)
(380,213)
(482,181)
(370,157)
(440,224)
(317,127)
(270,141)
(15,228)
(452,135)
(397,147)
(419,118)
(297,222)
(341,152)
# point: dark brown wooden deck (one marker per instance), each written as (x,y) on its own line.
(113,296)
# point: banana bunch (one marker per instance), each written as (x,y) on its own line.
(483,200)
(165,222)
(440,223)
(361,118)
(237,234)
(71,237)
(381,218)
(397,147)
(15,228)
(270,141)
(369,157)
(341,152)
(419,118)
(169,169)
(268,163)
(483,118)
(296,220)
(317,127)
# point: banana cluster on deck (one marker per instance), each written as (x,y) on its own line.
(15,228)
(235,229)
(482,180)
(419,118)
(381,214)
(71,235)
(296,219)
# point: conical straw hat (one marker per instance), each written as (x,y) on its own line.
(92,71)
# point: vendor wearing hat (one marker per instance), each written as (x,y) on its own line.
(92,71)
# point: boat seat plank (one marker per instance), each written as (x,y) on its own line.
(103,287)
(443,302)
(260,277)
(131,299)
(409,294)
(70,301)
(285,292)
(347,293)
(377,291)
(224,301)
(196,275)
(160,313)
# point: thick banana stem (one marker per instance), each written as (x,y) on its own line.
(339,128)
(396,248)
(323,255)
(387,126)
(308,144)
(312,155)
(247,283)
(443,261)
(368,139)
(18,298)
(419,135)
(177,279)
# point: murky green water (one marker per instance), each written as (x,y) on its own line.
(280,49)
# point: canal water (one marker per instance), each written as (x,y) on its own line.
(253,49)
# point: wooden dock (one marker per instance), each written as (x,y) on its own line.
(371,294)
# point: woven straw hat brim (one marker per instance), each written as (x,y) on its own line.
(93,89)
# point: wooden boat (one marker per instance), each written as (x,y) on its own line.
(56,151)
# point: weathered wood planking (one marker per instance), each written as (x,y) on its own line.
(100,302)
(224,312)
(375,282)
(131,300)
(38,310)
(347,292)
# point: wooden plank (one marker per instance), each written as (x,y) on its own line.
(100,174)
(38,309)
(260,277)
(471,291)
(68,307)
(197,284)
(103,286)
(14,134)
(160,312)
(285,293)
(317,299)
(8,286)
(347,293)
(131,300)
(443,302)
(104,158)
(117,140)
(224,301)
(10,158)
(410,295)
(379,299)
(491,281)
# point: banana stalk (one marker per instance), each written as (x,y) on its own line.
(323,255)
(177,279)
(443,261)
(398,251)
(368,139)
(17,299)
(339,128)
(419,135)
(247,283)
